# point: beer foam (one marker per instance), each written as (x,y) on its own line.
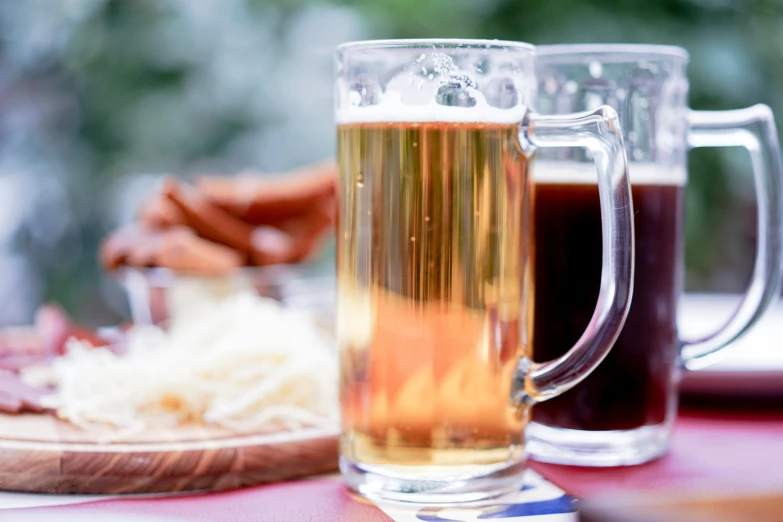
(584,173)
(392,109)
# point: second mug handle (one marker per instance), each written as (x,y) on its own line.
(754,129)
(599,131)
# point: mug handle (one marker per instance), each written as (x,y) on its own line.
(599,131)
(754,129)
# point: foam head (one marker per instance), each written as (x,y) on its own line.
(471,84)
(584,173)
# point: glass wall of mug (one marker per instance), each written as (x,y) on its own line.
(435,275)
(623,412)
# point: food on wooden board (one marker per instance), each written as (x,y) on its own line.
(232,359)
(18,397)
(22,346)
(25,346)
(228,358)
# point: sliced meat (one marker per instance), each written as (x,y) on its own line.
(18,362)
(18,397)
(55,328)
(22,347)
(20,340)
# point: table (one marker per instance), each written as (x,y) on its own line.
(717,448)
(317,499)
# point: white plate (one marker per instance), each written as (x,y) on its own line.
(753,365)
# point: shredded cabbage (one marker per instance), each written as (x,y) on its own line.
(229,358)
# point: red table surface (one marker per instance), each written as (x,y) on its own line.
(717,448)
(314,500)
(713,451)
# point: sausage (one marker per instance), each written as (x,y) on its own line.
(262,200)
(180,249)
(160,212)
(177,248)
(208,220)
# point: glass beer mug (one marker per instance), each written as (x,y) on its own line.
(624,411)
(434,256)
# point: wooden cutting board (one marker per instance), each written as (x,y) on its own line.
(39,453)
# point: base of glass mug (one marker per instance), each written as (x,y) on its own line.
(597,448)
(432,484)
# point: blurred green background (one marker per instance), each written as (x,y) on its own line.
(99,98)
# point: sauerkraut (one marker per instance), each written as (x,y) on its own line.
(228,358)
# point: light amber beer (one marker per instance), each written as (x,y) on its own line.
(433,272)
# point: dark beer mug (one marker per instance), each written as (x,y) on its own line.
(624,411)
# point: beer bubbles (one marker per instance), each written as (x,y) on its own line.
(455,93)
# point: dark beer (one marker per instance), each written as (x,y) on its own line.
(635,385)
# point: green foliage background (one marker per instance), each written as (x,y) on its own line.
(98,97)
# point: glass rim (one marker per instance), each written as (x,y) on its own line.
(435,43)
(612,52)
